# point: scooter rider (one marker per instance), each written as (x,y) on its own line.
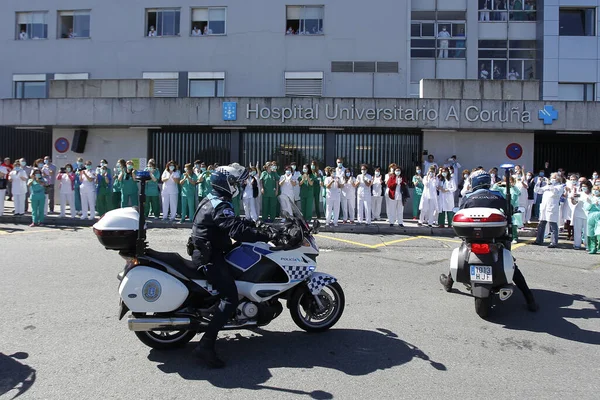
(482,196)
(214,225)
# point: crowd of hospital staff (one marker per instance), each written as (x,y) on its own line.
(342,195)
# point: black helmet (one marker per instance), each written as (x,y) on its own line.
(480,180)
(225,180)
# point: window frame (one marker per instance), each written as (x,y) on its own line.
(303,7)
(580,9)
(161,10)
(507,60)
(452,51)
(59,23)
(30,14)
(23,79)
(208,21)
(494,15)
(585,86)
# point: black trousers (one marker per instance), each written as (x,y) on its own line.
(220,278)
(519,281)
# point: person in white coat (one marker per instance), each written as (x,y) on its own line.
(170,190)
(296,175)
(394,197)
(18,177)
(388,205)
(377,189)
(577,198)
(250,195)
(286,191)
(333,187)
(87,190)
(66,182)
(429,201)
(549,209)
(363,195)
(3,186)
(446,189)
(348,196)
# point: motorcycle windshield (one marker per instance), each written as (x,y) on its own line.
(295,211)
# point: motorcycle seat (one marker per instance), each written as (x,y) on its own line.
(178,263)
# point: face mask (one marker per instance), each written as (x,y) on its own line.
(585,189)
(574,183)
(492,175)
(363,171)
(80,164)
(444,174)
(397,173)
(559,173)
(274,168)
(46,161)
(333,175)
(171,167)
(528,177)
(68,169)
(88,167)
(103,164)
(23,163)
(40,165)
(313,167)
(419,171)
(288,172)
(340,165)
(305,170)
(553,181)
(347,173)
(465,176)
(596,192)
(294,167)
(377,173)
(595,176)
(118,167)
(252,173)
(38,176)
(17,168)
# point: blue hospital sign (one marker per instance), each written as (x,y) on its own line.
(548,115)
(229,111)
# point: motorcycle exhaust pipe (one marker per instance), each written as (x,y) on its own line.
(157,324)
(505,293)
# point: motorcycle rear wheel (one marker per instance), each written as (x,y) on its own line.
(482,306)
(304,301)
(165,340)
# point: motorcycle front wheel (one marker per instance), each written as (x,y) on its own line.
(310,316)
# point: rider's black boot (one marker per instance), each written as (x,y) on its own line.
(447,282)
(207,353)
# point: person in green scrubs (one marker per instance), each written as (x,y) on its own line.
(103,190)
(37,185)
(307,192)
(514,202)
(317,178)
(270,182)
(129,187)
(188,193)
(152,193)
(204,187)
(116,189)
(417,181)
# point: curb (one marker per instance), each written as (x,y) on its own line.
(374,229)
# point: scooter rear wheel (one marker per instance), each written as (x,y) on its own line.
(482,306)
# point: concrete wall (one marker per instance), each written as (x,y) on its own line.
(111,144)
(254,54)
(479,89)
(101,88)
(472,149)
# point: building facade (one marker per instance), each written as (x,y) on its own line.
(362,58)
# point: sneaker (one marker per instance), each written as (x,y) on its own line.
(551,246)
(514,241)
(32,224)
(391,225)
(401,226)
(414,218)
(419,224)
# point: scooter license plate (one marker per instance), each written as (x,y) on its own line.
(481,273)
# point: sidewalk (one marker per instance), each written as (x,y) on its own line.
(379,227)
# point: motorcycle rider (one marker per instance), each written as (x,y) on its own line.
(482,196)
(214,225)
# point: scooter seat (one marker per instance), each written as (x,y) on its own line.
(178,263)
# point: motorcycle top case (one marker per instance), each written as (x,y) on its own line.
(479,223)
(118,229)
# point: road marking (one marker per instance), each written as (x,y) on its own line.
(526,243)
(440,239)
(395,241)
(4,232)
(347,241)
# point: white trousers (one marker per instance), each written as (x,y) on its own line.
(364,207)
(88,203)
(428,214)
(2,195)
(332,211)
(528,210)
(250,209)
(376,207)
(169,202)
(348,207)
(579,228)
(484,15)
(286,204)
(19,200)
(395,212)
(67,198)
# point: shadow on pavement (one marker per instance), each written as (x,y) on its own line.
(15,375)
(552,317)
(351,351)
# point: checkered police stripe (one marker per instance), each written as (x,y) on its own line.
(297,272)
(318,282)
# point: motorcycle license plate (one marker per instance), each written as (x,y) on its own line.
(481,273)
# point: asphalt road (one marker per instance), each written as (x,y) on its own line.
(401,335)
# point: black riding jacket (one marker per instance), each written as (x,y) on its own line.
(485,198)
(215,222)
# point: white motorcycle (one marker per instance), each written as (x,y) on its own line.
(171,300)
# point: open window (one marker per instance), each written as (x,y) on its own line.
(209,21)
(162,22)
(304,20)
(74,24)
(32,25)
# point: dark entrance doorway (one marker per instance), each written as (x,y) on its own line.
(575,153)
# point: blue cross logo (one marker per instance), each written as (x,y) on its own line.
(548,114)
(229,111)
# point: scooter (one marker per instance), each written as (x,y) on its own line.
(171,300)
(484,262)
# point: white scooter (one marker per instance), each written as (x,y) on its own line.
(171,300)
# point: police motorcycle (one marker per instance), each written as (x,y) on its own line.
(483,262)
(170,300)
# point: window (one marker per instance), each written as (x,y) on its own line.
(438,39)
(577,22)
(208,21)
(32,25)
(74,24)
(206,84)
(576,91)
(29,86)
(162,22)
(497,10)
(165,84)
(304,20)
(304,84)
(501,59)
